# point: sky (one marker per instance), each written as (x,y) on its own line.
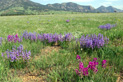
(94,3)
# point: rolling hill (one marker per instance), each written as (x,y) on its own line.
(18,7)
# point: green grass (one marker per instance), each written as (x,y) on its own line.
(59,63)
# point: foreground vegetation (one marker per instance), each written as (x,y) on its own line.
(53,62)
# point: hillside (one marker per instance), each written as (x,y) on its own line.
(71,7)
(108,9)
(18,7)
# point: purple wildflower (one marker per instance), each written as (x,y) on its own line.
(93,41)
(25,35)
(85,71)
(107,26)
(77,71)
(78,57)
(81,66)
(47,37)
(2,54)
(93,65)
(10,38)
(95,59)
(104,63)
(13,38)
(68,37)
(67,20)
(16,54)
(95,70)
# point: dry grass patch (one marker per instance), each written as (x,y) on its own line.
(47,50)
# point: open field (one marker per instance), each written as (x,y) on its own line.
(49,63)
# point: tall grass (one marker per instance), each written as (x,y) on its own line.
(58,63)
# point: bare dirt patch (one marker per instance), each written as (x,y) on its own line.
(120,79)
(50,49)
(25,75)
(31,78)
(47,50)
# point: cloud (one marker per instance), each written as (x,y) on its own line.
(78,0)
(106,3)
(119,7)
(111,0)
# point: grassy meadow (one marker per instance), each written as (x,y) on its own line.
(50,63)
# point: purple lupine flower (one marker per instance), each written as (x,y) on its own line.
(77,71)
(60,37)
(95,62)
(104,63)
(8,53)
(28,54)
(48,37)
(40,37)
(81,66)
(68,37)
(85,71)
(16,38)
(56,37)
(95,59)
(107,26)
(67,20)
(13,38)
(13,57)
(2,54)
(17,54)
(25,35)
(93,41)
(95,70)
(93,66)
(21,38)
(10,38)
(78,57)
(32,36)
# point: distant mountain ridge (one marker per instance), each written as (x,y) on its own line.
(29,7)
(108,9)
(71,7)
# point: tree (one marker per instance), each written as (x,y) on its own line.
(115,11)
